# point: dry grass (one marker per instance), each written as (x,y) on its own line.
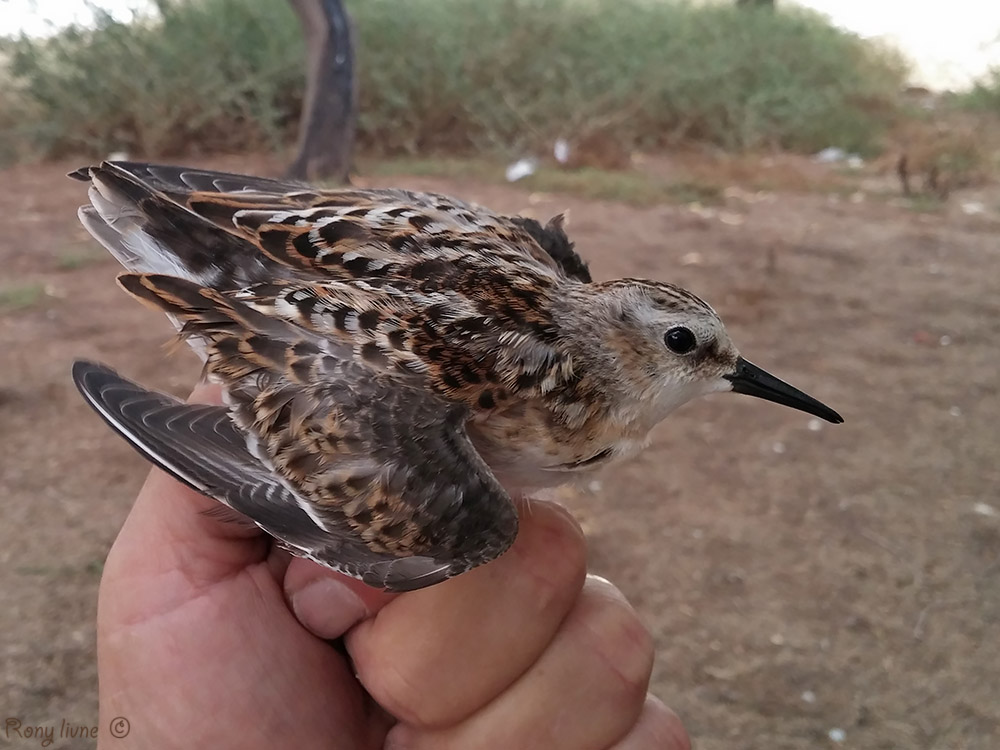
(20,296)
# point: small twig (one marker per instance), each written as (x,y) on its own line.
(883,543)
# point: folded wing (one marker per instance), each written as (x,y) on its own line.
(200,446)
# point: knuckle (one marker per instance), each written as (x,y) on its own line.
(622,641)
(658,727)
(395,691)
(555,559)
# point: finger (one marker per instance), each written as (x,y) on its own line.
(586,691)
(658,728)
(328,603)
(432,657)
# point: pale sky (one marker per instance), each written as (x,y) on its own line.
(950,42)
(40,17)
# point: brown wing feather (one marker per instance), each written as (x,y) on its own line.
(378,455)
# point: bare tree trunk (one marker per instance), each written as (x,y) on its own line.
(326,133)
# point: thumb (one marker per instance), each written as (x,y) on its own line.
(327,603)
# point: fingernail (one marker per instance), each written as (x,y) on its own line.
(328,608)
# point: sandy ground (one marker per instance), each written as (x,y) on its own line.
(798,577)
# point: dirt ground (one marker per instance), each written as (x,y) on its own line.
(802,580)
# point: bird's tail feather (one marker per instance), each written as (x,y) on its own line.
(143,220)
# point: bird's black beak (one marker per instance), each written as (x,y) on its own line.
(753,381)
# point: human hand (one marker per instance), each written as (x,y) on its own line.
(209,636)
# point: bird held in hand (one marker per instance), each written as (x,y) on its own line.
(394,364)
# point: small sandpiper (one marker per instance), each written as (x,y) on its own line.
(395,365)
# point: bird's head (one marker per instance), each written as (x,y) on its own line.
(677,348)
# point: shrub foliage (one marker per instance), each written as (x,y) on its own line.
(457,76)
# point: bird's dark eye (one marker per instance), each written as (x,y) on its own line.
(680,340)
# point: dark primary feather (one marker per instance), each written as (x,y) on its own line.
(200,446)
(177,181)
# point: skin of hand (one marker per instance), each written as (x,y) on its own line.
(208,636)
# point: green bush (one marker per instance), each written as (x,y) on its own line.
(984,96)
(457,76)
(221,74)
